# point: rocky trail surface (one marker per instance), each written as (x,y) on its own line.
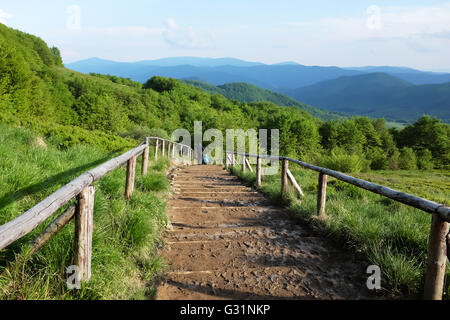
(228,242)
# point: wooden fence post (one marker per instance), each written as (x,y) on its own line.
(284,177)
(145,154)
(322,194)
(84,222)
(156,149)
(258,172)
(173,151)
(131,171)
(163,152)
(437,259)
(247,163)
(244,164)
(294,183)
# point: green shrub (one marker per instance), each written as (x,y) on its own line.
(393,162)
(425,159)
(139,133)
(407,159)
(378,158)
(339,160)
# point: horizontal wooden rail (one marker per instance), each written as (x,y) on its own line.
(168,141)
(405,198)
(28,221)
(82,189)
(439,243)
(171,148)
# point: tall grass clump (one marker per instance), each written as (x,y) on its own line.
(341,161)
(126,233)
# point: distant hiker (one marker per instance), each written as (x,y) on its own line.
(199,153)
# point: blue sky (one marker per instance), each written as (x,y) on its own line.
(321,32)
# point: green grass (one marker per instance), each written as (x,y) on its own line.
(396,125)
(388,234)
(126,234)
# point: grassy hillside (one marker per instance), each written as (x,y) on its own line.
(245,92)
(126,234)
(378,95)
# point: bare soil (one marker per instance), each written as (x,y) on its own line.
(227,242)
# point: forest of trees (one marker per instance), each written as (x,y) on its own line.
(68,108)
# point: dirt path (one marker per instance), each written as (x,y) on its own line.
(227,242)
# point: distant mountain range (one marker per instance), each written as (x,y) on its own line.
(378,95)
(376,91)
(246,92)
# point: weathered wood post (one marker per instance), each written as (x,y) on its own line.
(322,194)
(173,150)
(131,171)
(227,160)
(145,154)
(247,163)
(156,149)
(84,223)
(294,183)
(258,172)
(284,177)
(163,152)
(437,259)
(168,149)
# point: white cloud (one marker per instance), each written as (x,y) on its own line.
(125,31)
(394,22)
(68,54)
(4,16)
(184,37)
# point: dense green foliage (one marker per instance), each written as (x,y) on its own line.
(246,92)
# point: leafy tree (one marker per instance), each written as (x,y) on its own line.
(160,84)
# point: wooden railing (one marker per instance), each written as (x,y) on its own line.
(82,189)
(439,240)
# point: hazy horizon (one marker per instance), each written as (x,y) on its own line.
(255,61)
